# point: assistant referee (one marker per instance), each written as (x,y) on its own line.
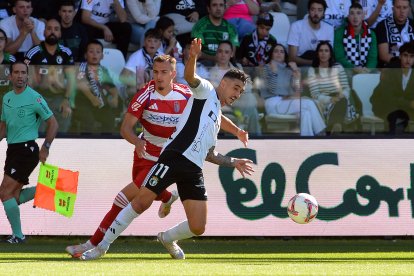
(22,112)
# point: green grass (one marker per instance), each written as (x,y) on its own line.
(140,256)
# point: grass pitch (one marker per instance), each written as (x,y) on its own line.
(145,256)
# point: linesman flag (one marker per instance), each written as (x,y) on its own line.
(56,189)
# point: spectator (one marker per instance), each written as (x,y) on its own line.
(376,10)
(74,35)
(282,93)
(169,46)
(336,12)
(393,98)
(212,29)
(49,77)
(240,13)
(355,43)
(184,13)
(255,48)
(328,84)
(201,70)
(98,14)
(142,14)
(246,108)
(23,31)
(305,34)
(5,60)
(138,69)
(97,97)
(394,31)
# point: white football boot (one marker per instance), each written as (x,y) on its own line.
(175,251)
(165,208)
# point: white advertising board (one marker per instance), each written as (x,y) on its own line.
(364,188)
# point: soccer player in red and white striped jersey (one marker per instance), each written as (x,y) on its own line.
(157,107)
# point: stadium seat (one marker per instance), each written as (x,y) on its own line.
(281,26)
(281,123)
(364,85)
(113,60)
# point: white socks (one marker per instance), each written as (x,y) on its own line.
(122,221)
(179,232)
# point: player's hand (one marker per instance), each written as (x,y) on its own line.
(195,48)
(173,42)
(140,148)
(243,166)
(243,136)
(108,36)
(43,154)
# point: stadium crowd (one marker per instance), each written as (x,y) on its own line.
(303,85)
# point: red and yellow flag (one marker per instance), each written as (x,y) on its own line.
(56,189)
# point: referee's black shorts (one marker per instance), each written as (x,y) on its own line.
(173,167)
(21,160)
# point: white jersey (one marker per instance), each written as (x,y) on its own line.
(369,6)
(101,10)
(305,38)
(336,12)
(198,126)
(9,25)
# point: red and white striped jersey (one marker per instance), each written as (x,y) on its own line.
(158,114)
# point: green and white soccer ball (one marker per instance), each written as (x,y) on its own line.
(302,208)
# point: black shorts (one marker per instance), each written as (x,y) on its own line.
(173,167)
(21,160)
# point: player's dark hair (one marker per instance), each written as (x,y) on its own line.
(19,62)
(393,2)
(96,42)
(322,2)
(237,74)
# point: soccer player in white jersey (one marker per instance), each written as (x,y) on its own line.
(157,107)
(182,159)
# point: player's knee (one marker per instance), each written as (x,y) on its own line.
(197,229)
(140,204)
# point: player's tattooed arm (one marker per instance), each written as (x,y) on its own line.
(219,159)
(195,82)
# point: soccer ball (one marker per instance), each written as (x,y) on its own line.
(302,208)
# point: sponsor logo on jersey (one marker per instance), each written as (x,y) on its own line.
(153,106)
(164,119)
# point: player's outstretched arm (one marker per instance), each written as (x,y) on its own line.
(190,66)
(230,127)
(241,164)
